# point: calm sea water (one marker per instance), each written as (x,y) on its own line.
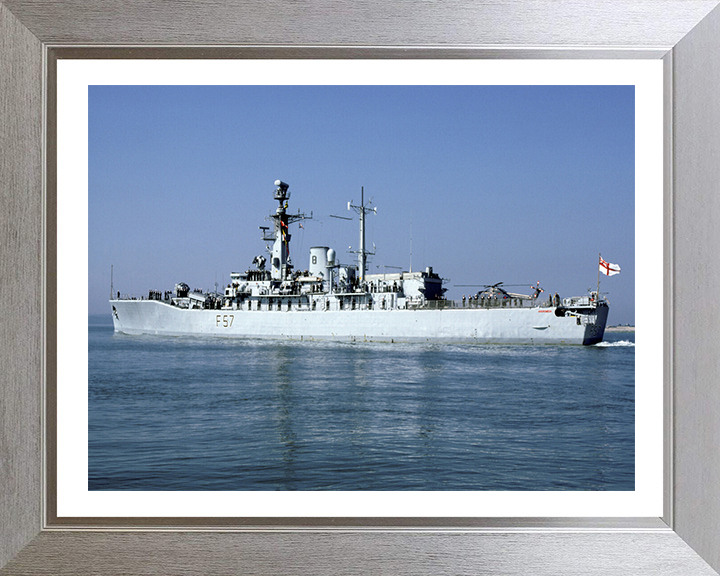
(176,413)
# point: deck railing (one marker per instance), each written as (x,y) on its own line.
(481,303)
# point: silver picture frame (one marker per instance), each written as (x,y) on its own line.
(684,34)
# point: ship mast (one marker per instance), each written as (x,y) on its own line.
(362,210)
(280,254)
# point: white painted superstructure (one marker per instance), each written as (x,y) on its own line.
(329,301)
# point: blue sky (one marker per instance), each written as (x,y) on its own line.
(484,183)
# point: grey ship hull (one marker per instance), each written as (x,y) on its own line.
(478,325)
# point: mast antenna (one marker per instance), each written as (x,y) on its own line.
(411,244)
(112,291)
(362,210)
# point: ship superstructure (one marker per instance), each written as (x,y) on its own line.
(332,301)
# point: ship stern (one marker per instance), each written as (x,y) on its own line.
(595,330)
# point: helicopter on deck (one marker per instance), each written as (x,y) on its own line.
(498,291)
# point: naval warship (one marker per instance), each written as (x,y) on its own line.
(332,301)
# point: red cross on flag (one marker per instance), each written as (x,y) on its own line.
(608,269)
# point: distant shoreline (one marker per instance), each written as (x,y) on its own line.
(620,329)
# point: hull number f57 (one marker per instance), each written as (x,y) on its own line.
(224,320)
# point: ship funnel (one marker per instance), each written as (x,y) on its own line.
(319,260)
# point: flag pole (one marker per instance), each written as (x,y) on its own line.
(597,294)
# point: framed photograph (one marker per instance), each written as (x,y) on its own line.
(669,525)
(358,438)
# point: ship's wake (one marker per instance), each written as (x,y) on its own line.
(619,343)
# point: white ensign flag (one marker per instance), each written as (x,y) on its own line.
(608,269)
